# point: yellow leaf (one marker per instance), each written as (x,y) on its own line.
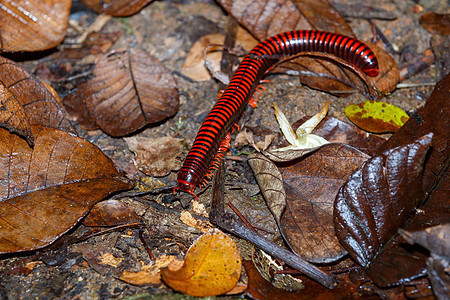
(212,267)
(375,116)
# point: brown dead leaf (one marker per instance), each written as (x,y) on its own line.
(156,156)
(267,18)
(110,213)
(33,25)
(116,8)
(212,267)
(49,188)
(436,23)
(27,102)
(129,90)
(303,207)
(194,65)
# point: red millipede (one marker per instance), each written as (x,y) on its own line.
(244,82)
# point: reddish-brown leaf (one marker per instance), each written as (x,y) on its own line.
(116,8)
(129,90)
(436,23)
(379,198)
(301,193)
(28,102)
(47,189)
(266,18)
(110,213)
(33,25)
(13,116)
(311,186)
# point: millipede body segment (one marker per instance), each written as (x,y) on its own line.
(236,96)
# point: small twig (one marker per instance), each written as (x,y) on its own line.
(232,224)
(144,242)
(243,219)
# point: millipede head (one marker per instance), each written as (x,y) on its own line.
(371,66)
(188,181)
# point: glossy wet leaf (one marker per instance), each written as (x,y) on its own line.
(212,266)
(432,117)
(116,8)
(48,189)
(33,25)
(379,198)
(129,90)
(26,102)
(376,116)
(110,213)
(398,262)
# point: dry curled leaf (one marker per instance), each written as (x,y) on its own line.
(212,267)
(33,25)
(379,198)
(116,8)
(129,90)
(48,189)
(26,102)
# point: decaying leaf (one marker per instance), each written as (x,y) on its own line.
(13,116)
(436,23)
(48,189)
(156,156)
(150,274)
(377,117)
(110,213)
(436,239)
(129,90)
(33,25)
(194,65)
(212,267)
(303,205)
(379,198)
(266,18)
(116,8)
(27,102)
(269,269)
